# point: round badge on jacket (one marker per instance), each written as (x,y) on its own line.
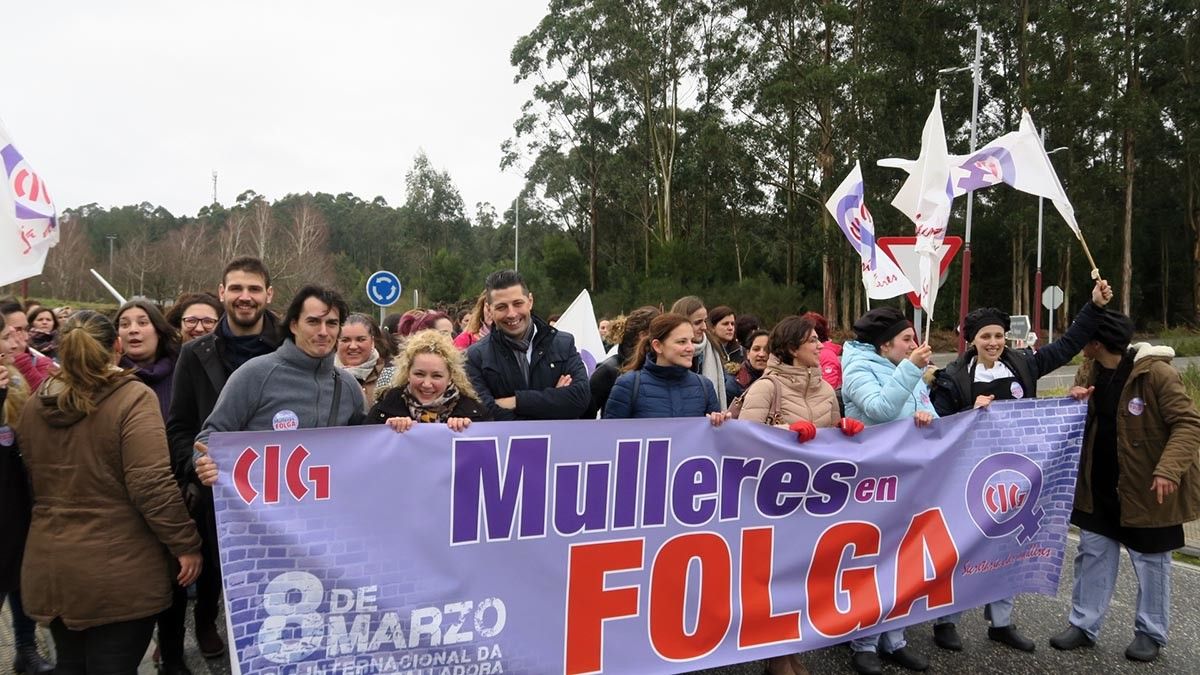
(6,436)
(1136,406)
(285,420)
(1017,390)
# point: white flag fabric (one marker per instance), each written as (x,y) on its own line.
(580,321)
(881,278)
(1017,158)
(28,219)
(925,198)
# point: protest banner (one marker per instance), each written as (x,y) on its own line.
(647,546)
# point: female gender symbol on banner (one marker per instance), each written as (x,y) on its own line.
(989,496)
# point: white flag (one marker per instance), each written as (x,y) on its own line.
(28,220)
(1017,158)
(580,321)
(881,278)
(925,198)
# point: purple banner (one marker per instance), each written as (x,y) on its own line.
(648,546)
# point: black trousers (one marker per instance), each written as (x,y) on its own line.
(171,627)
(208,585)
(111,649)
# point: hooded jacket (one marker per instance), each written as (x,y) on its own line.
(876,390)
(804,395)
(108,518)
(662,391)
(1158,435)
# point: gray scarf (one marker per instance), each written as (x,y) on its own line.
(520,348)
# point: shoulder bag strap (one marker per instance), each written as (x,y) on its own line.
(337,398)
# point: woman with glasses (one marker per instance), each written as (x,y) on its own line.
(195,314)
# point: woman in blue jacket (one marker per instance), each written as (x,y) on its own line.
(658,380)
(882,381)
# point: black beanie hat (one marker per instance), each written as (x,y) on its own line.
(1114,331)
(976,319)
(880,325)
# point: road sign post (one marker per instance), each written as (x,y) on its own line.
(1052,299)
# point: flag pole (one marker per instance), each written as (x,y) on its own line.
(1091,261)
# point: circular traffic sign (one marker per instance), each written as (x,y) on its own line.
(383,288)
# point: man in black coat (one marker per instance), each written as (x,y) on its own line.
(247,330)
(525,369)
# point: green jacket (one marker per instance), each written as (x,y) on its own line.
(1163,440)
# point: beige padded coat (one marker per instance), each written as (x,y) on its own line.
(804,394)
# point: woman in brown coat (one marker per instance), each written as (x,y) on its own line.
(792,394)
(108,520)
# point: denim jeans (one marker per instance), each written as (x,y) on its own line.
(888,641)
(111,649)
(998,612)
(1096,565)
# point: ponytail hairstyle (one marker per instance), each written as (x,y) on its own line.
(660,328)
(631,327)
(85,352)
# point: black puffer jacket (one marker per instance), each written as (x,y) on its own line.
(951,390)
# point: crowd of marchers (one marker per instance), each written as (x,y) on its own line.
(109,529)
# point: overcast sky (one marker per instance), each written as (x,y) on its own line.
(124,101)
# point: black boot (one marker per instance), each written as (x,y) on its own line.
(30,662)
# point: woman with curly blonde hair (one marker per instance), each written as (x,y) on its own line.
(430,385)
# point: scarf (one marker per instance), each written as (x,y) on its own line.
(520,347)
(363,371)
(241,348)
(438,410)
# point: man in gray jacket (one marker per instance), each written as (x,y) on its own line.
(294,387)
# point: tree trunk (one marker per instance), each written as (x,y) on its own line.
(1127,228)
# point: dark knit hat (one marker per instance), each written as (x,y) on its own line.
(976,319)
(1114,331)
(880,325)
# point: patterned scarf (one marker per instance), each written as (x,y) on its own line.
(435,411)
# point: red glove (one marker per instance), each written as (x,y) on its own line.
(850,426)
(805,431)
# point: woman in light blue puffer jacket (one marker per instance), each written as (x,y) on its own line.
(881,382)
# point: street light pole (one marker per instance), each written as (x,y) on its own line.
(964,296)
(517,234)
(1037,297)
(111,238)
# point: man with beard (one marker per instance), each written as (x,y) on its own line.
(525,369)
(247,330)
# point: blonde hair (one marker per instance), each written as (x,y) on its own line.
(85,351)
(431,342)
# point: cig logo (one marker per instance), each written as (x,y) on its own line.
(276,473)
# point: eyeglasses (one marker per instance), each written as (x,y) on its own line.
(191,321)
